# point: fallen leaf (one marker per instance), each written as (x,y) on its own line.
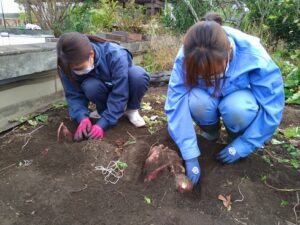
(119,142)
(226,201)
(276,142)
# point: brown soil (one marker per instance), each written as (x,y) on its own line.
(61,186)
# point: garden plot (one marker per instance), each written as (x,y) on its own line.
(44,180)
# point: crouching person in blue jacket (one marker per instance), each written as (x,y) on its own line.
(95,70)
(222,72)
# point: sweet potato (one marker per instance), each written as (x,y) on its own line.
(153,175)
(66,133)
(183,184)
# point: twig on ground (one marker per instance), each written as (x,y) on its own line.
(163,196)
(28,136)
(240,200)
(237,220)
(7,167)
(5,135)
(295,206)
(281,189)
(79,190)
(271,155)
(131,136)
(27,139)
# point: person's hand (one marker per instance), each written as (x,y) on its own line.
(193,170)
(83,129)
(96,132)
(228,155)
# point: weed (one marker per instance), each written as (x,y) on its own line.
(60,105)
(284,203)
(32,121)
(292,132)
(121,165)
(147,200)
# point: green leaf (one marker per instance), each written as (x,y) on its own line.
(284,161)
(272,17)
(33,123)
(42,118)
(59,105)
(292,132)
(146,106)
(121,165)
(147,200)
(284,203)
(276,142)
(294,163)
(294,99)
(22,119)
(266,158)
(263,178)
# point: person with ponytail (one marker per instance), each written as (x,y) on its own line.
(221,72)
(95,70)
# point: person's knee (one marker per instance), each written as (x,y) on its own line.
(94,89)
(202,106)
(138,76)
(238,111)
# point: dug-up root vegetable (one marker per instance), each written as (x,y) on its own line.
(161,158)
(64,132)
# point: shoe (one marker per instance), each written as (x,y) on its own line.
(135,117)
(210,136)
(210,132)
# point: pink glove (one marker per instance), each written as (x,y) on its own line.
(96,132)
(83,129)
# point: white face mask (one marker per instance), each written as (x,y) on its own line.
(84,71)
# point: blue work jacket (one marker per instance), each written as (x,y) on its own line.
(251,67)
(111,66)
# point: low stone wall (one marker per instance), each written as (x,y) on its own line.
(28,79)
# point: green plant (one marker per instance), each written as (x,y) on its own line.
(153,123)
(146,106)
(263,178)
(103,16)
(78,18)
(121,165)
(147,200)
(287,61)
(60,105)
(279,18)
(292,132)
(32,121)
(183,15)
(284,203)
(295,152)
(162,52)
(131,17)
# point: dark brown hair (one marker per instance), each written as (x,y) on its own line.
(74,48)
(206,48)
(212,16)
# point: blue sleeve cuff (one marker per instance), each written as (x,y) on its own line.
(242,147)
(190,153)
(103,123)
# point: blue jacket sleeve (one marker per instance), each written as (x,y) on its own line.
(118,97)
(77,102)
(180,122)
(267,86)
